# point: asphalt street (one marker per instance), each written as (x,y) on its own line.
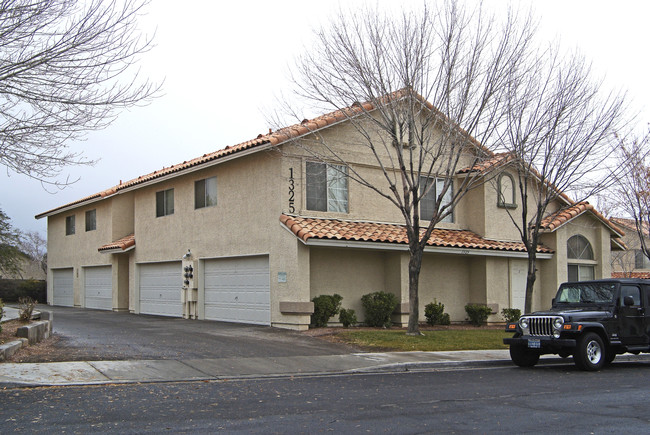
(547,399)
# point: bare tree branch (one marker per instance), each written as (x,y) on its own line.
(424,93)
(66,67)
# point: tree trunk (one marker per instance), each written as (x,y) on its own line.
(530,282)
(415,264)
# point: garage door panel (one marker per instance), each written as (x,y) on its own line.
(238,290)
(160,289)
(99,287)
(62,291)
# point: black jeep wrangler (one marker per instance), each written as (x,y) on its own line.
(592,320)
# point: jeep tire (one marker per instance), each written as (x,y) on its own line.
(523,357)
(590,353)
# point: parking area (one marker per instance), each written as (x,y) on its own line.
(85,334)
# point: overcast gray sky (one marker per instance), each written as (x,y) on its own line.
(223,62)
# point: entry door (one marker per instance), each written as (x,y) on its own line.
(632,318)
(518,272)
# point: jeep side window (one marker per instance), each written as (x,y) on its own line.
(630,290)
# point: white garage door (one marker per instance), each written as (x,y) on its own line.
(99,287)
(62,290)
(238,290)
(160,289)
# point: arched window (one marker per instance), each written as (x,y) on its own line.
(581,259)
(506,191)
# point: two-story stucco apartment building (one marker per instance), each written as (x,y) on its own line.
(269,228)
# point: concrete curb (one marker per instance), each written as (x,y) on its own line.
(154,371)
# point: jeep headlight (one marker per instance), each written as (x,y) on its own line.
(523,323)
(557,326)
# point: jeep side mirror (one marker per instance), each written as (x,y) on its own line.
(628,301)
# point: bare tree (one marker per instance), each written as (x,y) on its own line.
(559,132)
(65,69)
(632,188)
(423,92)
(10,255)
(34,246)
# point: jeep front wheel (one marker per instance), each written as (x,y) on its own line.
(590,352)
(523,356)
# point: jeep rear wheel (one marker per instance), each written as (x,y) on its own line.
(590,352)
(523,356)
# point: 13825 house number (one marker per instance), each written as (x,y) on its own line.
(292,193)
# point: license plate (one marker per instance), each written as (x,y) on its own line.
(534,344)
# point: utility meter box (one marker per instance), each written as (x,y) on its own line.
(190,270)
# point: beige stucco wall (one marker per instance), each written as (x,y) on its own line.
(80,249)
(253,190)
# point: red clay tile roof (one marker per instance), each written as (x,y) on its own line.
(642,275)
(556,220)
(124,243)
(334,229)
(490,163)
(271,139)
(631,225)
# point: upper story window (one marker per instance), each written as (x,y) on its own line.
(327,187)
(506,191)
(69,225)
(428,201)
(205,192)
(641,261)
(581,265)
(164,202)
(91,220)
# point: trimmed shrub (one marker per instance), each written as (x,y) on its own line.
(26,308)
(13,289)
(378,308)
(347,317)
(325,306)
(435,313)
(511,314)
(477,313)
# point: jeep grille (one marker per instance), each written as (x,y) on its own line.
(541,325)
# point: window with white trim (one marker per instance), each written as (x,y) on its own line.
(91,220)
(580,257)
(69,225)
(327,187)
(205,192)
(164,202)
(428,201)
(506,191)
(640,260)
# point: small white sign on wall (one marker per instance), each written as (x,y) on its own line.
(282,276)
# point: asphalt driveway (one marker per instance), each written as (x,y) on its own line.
(83,334)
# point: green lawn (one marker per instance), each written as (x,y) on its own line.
(397,340)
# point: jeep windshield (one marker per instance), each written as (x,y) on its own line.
(586,293)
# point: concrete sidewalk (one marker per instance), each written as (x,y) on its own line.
(104,372)
(143,371)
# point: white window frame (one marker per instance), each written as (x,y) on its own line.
(335,188)
(209,196)
(428,201)
(167,197)
(70,225)
(92,214)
